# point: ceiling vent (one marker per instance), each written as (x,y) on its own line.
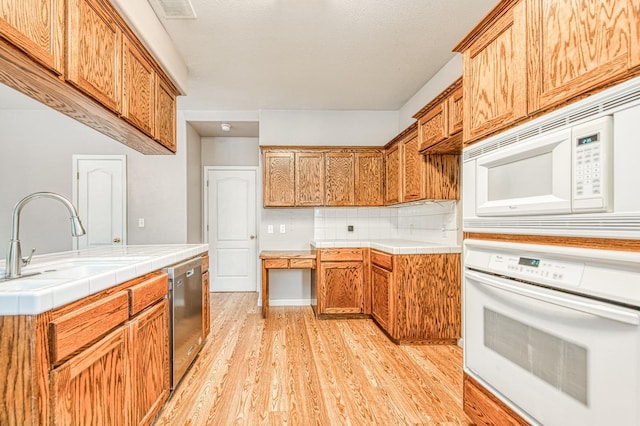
(173,9)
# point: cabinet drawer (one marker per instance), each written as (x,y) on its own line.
(74,330)
(276,263)
(341,254)
(147,293)
(384,260)
(302,263)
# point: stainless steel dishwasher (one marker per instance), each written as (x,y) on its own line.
(185,305)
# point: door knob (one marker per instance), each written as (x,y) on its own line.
(116,240)
(252,237)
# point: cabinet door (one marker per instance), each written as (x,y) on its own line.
(37,28)
(579,46)
(278,178)
(434,126)
(381,291)
(495,76)
(206,306)
(165,120)
(369,178)
(454,112)
(94,386)
(392,175)
(341,288)
(150,362)
(339,183)
(442,177)
(138,88)
(94,43)
(309,178)
(413,169)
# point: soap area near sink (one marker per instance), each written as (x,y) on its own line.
(53,280)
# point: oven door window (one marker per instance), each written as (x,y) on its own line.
(551,361)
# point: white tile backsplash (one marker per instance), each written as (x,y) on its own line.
(435,222)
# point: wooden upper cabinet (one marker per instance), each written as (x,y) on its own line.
(413,169)
(369,178)
(495,75)
(440,122)
(278,178)
(339,179)
(37,28)
(309,188)
(94,50)
(442,177)
(138,88)
(579,46)
(165,115)
(392,175)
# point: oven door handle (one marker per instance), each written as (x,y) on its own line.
(577,303)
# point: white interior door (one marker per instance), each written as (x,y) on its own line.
(231,229)
(100,195)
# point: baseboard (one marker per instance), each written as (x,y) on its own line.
(287,302)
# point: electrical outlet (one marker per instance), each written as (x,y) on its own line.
(282,229)
(269,229)
(141,223)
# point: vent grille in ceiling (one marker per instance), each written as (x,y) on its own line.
(173,9)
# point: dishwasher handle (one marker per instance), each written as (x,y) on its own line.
(582,304)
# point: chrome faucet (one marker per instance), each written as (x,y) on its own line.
(13,266)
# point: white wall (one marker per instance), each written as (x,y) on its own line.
(443,78)
(35,155)
(230,151)
(194,185)
(355,128)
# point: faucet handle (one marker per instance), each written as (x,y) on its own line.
(27,260)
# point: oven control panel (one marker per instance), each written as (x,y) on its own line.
(537,269)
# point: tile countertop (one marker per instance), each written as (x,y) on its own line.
(72,275)
(391,246)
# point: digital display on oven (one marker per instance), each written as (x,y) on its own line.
(588,139)
(529,262)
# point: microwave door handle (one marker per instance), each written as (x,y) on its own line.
(588,306)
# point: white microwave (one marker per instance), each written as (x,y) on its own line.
(569,171)
(572,172)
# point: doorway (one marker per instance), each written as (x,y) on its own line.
(230,227)
(100,195)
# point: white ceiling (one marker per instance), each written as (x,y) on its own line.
(317,54)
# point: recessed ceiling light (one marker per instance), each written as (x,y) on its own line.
(225,127)
(173,9)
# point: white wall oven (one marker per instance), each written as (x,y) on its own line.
(571,172)
(554,331)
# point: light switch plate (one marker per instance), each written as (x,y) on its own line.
(282,229)
(269,229)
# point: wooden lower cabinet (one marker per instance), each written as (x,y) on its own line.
(206,308)
(150,362)
(342,283)
(416,298)
(94,386)
(484,409)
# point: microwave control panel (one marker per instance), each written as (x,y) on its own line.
(592,154)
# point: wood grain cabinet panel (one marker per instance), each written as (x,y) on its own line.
(341,288)
(206,305)
(278,178)
(494,69)
(37,28)
(94,386)
(165,115)
(434,126)
(440,122)
(309,171)
(455,111)
(392,175)
(381,297)
(575,47)
(94,52)
(412,169)
(339,179)
(369,178)
(150,362)
(442,177)
(138,88)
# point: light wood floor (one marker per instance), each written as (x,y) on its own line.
(292,369)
